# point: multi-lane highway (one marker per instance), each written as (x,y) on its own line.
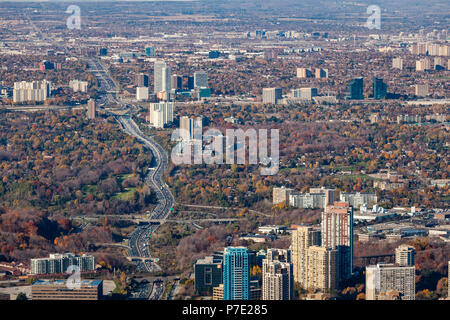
(138,240)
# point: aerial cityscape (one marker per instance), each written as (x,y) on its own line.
(225,150)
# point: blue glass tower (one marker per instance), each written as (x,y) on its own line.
(355,89)
(236,274)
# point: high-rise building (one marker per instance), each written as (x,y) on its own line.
(307,200)
(141,93)
(190,83)
(321,73)
(31,91)
(421,90)
(404,256)
(302,239)
(161,114)
(304,93)
(78,86)
(277,275)
(281,195)
(337,233)
(141,80)
(150,51)
(161,77)
(331,195)
(397,63)
(379,89)
(236,274)
(187,126)
(303,73)
(208,274)
(46,65)
(58,290)
(200,79)
(322,269)
(357,199)
(58,263)
(176,82)
(91,109)
(438,63)
(386,277)
(356,89)
(270,54)
(424,64)
(271,95)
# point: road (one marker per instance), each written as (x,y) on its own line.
(138,240)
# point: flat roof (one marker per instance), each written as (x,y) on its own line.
(63,282)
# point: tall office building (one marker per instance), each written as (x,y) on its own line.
(302,238)
(421,90)
(303,73)
(404,256)
(200,79)
(176,82)
(281,195)
(141,80)
(190,83)
(141,93)
(150,51)
(337,233)
(356,89)
(236,274)
(161,77)
(271,95)
(208,274)
(386,277)
(397,63)
(58,263)
(321,73)
(379,89)
(277,275)
(31,91)
(91,109)
(161,114)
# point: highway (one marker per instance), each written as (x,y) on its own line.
(138,241)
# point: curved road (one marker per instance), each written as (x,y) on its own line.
(139,238)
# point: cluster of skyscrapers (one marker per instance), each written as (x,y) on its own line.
(323,257)
(31,91)
(227,275)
